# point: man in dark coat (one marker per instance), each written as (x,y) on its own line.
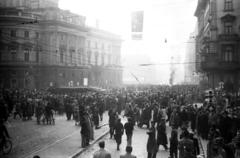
(184,118)
(152,142)
(96,117)
(112,120)
(68,108)
(118,130)
(162,135)
(85,128)
(129,126)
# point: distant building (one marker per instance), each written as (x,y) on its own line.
(218,42)
(190,75)
(42,45)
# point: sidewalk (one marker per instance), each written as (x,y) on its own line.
(68,145)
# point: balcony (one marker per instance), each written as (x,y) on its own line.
(10,63)
(211,61)
(228,37)
(232,65)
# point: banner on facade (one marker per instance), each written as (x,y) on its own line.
(137,25)
(85,82)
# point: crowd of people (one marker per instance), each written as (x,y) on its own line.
(153,106)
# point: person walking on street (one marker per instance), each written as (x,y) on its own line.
(118,130)
(112,120)
(129,126)
(102,153)
(162,135)
(128,153)
(152,142)
(85,129)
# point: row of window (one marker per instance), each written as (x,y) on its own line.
(83,58)
(26,34)
(227,53)
(14,33)
(13,57)
(96,45)
(26,57)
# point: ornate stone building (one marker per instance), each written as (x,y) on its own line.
(218,42)
(42,45)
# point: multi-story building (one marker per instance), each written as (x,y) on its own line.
(42,45)
(218,42)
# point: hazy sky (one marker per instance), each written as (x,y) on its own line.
(172,20)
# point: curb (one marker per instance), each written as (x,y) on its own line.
(75,155)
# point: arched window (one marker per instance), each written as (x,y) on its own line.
(228,53)
(26,54)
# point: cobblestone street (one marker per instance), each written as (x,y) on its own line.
(60,140)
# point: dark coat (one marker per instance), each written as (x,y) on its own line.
(129,126)
(162,135)
(118,130)
(151,143)
(85,126)
(173,145)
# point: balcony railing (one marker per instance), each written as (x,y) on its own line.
(19,15)
(229,65)
(17,63)
(211,61)
(228,37)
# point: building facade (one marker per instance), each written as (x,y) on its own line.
(218,42)
(42,46)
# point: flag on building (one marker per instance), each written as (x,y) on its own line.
(137,25)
